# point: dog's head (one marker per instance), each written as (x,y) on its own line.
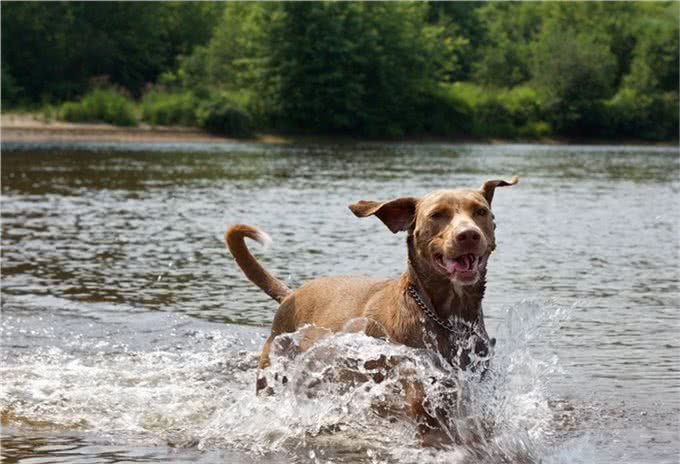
(452,231)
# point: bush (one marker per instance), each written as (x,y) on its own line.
(525,107)
(535,129)
(222,116)
(466,92)
(101,105)
(650,116)
(444,113)
(166,108)
(492,119)
(525,104)
(517,112)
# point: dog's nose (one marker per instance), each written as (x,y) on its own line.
(468,236)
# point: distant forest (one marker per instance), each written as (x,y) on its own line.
(366,69)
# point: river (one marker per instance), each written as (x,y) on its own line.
(129,335)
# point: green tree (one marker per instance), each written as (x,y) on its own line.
(355,67)
(34,48)
(646,104)
(654,64)
(504,59)
(365,68)
(462,24)
(54,49)
(576,71)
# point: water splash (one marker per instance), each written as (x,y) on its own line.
(196,388)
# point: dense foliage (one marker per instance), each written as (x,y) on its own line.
(52,50)
(506,69)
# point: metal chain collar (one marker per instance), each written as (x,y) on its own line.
(448,326)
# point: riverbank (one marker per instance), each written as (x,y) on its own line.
(27,127)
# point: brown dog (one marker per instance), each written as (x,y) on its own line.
(436,303)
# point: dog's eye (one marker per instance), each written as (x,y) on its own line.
(481,212)
(437,215)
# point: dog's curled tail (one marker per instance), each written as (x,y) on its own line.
(234,238)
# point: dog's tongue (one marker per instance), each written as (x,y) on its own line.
(461,263)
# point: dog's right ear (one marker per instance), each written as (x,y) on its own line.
(397,214)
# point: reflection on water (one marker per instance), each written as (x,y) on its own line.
(106,249)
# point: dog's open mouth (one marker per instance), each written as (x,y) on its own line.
(463,268)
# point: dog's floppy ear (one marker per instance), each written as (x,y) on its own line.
(397,214)
(489,187)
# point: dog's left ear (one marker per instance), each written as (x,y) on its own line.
(397,214)
(489,187)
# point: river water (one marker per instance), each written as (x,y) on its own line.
(129,335)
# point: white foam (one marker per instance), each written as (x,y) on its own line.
(202,394)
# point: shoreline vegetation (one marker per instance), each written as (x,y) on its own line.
(350,70)
(34,127)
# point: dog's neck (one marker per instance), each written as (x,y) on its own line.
(444,297)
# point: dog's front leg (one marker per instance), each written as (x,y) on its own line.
(432,431)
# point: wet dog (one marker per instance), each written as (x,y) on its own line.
(435,304)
